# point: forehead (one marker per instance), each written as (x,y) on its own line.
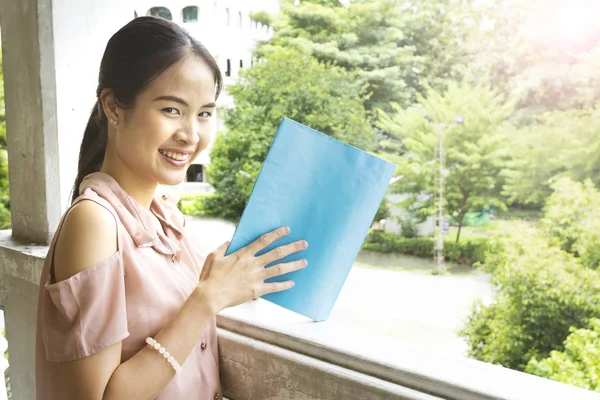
(190,78)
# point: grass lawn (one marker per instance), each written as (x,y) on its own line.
(400,262)
(495,227)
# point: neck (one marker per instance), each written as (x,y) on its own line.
(141,190)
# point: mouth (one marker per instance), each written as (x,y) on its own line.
(176,158)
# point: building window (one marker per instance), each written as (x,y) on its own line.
(227,21)
(241,64)
(195,173)
(190,14)
(240,20)
(135,14)
(161,12)
(228,70)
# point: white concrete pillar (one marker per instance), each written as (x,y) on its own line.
(51,53)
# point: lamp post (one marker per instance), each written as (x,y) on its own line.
(438,257)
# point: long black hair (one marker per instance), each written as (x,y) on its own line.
(136,55)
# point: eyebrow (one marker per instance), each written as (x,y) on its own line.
(181,101)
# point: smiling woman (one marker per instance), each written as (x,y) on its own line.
(126,305)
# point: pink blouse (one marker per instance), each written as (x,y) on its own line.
(127,297)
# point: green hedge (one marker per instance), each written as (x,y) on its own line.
(194,205)
(468,251)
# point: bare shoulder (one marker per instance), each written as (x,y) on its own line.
(87,237)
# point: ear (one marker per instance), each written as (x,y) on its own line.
(110,106)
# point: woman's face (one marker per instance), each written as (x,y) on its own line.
(170,123)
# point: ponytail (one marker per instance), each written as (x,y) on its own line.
(93,147)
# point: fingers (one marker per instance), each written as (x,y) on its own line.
(278,286)
(266,239)
(282,252)
(284,268)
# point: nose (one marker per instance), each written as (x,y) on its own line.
(189,133)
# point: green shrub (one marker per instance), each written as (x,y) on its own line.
(578,364)
(468,251)
(408,228)
(541,292)
(572,220)
(194,205)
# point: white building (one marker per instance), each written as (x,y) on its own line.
(227,30)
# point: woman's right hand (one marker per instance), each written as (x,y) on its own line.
(239,277)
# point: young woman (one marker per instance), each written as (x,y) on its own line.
(126,307)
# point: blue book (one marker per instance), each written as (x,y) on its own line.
(328,193)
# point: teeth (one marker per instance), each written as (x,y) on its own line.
(175,156)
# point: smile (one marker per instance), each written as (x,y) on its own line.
(181,157)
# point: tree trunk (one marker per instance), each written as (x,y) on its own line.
(461,218)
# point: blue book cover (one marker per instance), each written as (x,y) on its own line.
(328,193)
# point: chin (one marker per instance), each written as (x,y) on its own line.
(172,180)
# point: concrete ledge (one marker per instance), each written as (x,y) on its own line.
(270,353)
(390,360)
(252,370)
(19,260)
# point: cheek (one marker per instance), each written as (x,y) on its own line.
(149,131)
(206,135)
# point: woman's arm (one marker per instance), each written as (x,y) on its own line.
(88,236)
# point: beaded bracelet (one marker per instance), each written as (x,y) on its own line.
(170,359)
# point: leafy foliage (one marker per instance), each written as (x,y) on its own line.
(573,220)
(476,150)
(470,251)
(542,292)
(398,48)
(289,84)
(194,205)
(571,137)
(578,364)
(262,17)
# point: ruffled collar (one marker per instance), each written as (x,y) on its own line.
(137,220)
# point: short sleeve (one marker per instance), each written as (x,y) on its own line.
(85,313)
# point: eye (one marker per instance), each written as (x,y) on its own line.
(205,114)
(171,110)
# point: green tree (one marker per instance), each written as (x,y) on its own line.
(578,364)
(572,220)
(397,47)
(476,150)
(289,84)
(571,137)
(541,292)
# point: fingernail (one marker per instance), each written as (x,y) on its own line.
(286,229)
(304,263)
(291,284)
(304,244)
